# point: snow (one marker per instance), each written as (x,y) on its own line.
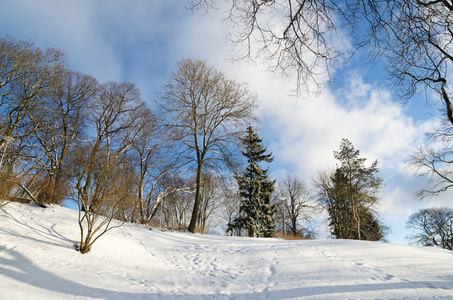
(38,261)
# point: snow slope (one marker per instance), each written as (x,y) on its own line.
(38,261)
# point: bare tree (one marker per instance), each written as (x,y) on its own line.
(297,206)
(432,226)
(113,117)
(26,74)
(175,202)
(231,203)
(145,152)
(295,38)
(420,48)
(435,165)
(309,39)
(434,162)
(205,113)
(61,122)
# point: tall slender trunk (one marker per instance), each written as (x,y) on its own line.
(139,203)
(355,215)
(196,206)
(355,212)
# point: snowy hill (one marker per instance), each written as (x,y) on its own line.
(38,261)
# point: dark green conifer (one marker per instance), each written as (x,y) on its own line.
(351,195)
(257,212)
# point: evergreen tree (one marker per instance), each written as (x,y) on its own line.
(350,195)
(257,212)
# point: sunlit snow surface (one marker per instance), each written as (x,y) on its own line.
(38,261)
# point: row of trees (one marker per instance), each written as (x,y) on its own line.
(350,196)
(413,39)
(64,135)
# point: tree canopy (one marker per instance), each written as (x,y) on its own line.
(350,195)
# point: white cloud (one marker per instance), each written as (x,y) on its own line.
(67,25)
(306,132)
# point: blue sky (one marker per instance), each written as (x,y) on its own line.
(141,40)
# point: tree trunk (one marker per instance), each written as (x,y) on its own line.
(355,212)
(356,217)
(250,232)
(196,206)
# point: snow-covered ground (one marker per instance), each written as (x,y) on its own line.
(38,261)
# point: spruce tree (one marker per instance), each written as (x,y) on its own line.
(257,212)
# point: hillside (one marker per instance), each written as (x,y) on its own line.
(38,261)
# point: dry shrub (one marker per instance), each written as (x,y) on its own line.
(47,191)
(290,236)
(203,229)
(7,183)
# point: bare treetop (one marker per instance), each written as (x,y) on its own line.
(308,40)
(205,114)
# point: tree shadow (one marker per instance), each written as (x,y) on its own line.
(19,267)
(48,233)
(32,275)
(348,291)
